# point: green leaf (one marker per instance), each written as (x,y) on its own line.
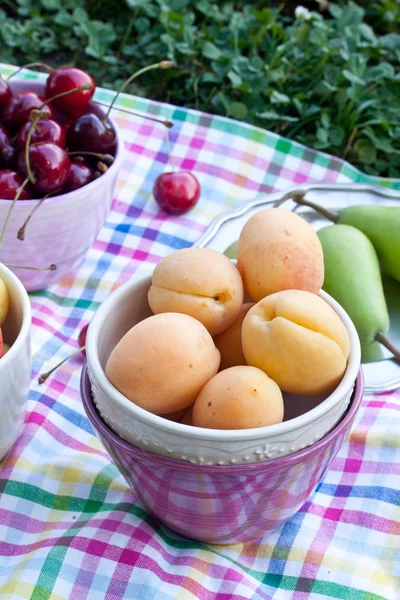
(322,135)
(336,136)
(279,98)
(352,77)
(271,115)
(325,120)
(365,151)
(64,19)
(238,110)
(51,4)
(382,71)
(101,35)
(211,51)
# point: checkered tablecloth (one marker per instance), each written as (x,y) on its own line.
(70,528)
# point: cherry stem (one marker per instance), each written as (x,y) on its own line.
(35,116)
(80,88)
(164,122)
(21,230)
(17,195)
(29,65)
(52,267)
(171,162)
(164,64)
(383,339)
(42,378)
(107,158)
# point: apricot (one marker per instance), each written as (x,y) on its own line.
(238,398)
(163,362)
(199,282)
(4,302)
(229,342)
(278,250)
(298,340)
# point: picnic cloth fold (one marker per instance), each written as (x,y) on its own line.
(70,527)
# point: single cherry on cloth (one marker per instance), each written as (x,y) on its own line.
(10,182)
(50,165)
(89,133)
(19,107)
(45,130)
(176,192)
(8,154)
(5,94)
(80,174)
(65,79)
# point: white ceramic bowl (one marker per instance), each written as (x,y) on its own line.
(127,306)
(64,228)
(15,366)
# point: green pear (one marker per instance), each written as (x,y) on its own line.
(231,251)
(353,278)
(381,224)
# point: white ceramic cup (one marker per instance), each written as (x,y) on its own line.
(15,366)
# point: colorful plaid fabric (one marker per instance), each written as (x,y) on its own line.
(70,528)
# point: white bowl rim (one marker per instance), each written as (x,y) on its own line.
(26,319)
(216,435)
(67,197)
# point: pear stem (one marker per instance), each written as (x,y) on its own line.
(21,230)
(42,378)
(29,65)
(17,195)
(164,122)
(50,268)
(296,196)
(164,64)
(383,339)
(331,215)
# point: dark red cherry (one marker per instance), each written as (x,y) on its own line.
(8,154)
(44,131)
(10,181)
(19,107)
(79,175)
(176,192)
(50,165)
(64,79)
(89,133)
(82,338)
(5,94)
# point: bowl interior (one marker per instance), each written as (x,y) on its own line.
(130,306)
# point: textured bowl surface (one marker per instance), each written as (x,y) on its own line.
(307,419)
(222,504)
(15,366)
(64,228)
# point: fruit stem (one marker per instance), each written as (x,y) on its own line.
(80,88)
(42,378)
(35,116)
(29,65)
(21,230)
(383,339)
(52,267)
(164,64)
(17,195)
(107,158)
(331,215)
(164,122)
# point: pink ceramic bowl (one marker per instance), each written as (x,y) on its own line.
(64,228)
(222,504)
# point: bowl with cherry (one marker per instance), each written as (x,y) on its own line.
(60,154)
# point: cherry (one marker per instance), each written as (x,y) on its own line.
(8,154)
(176,192)
(79,175)
(64,79)
(90,133)
(18,109)
(10,182)
(5,94)
(50,166)
(46,130)
(82,338)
